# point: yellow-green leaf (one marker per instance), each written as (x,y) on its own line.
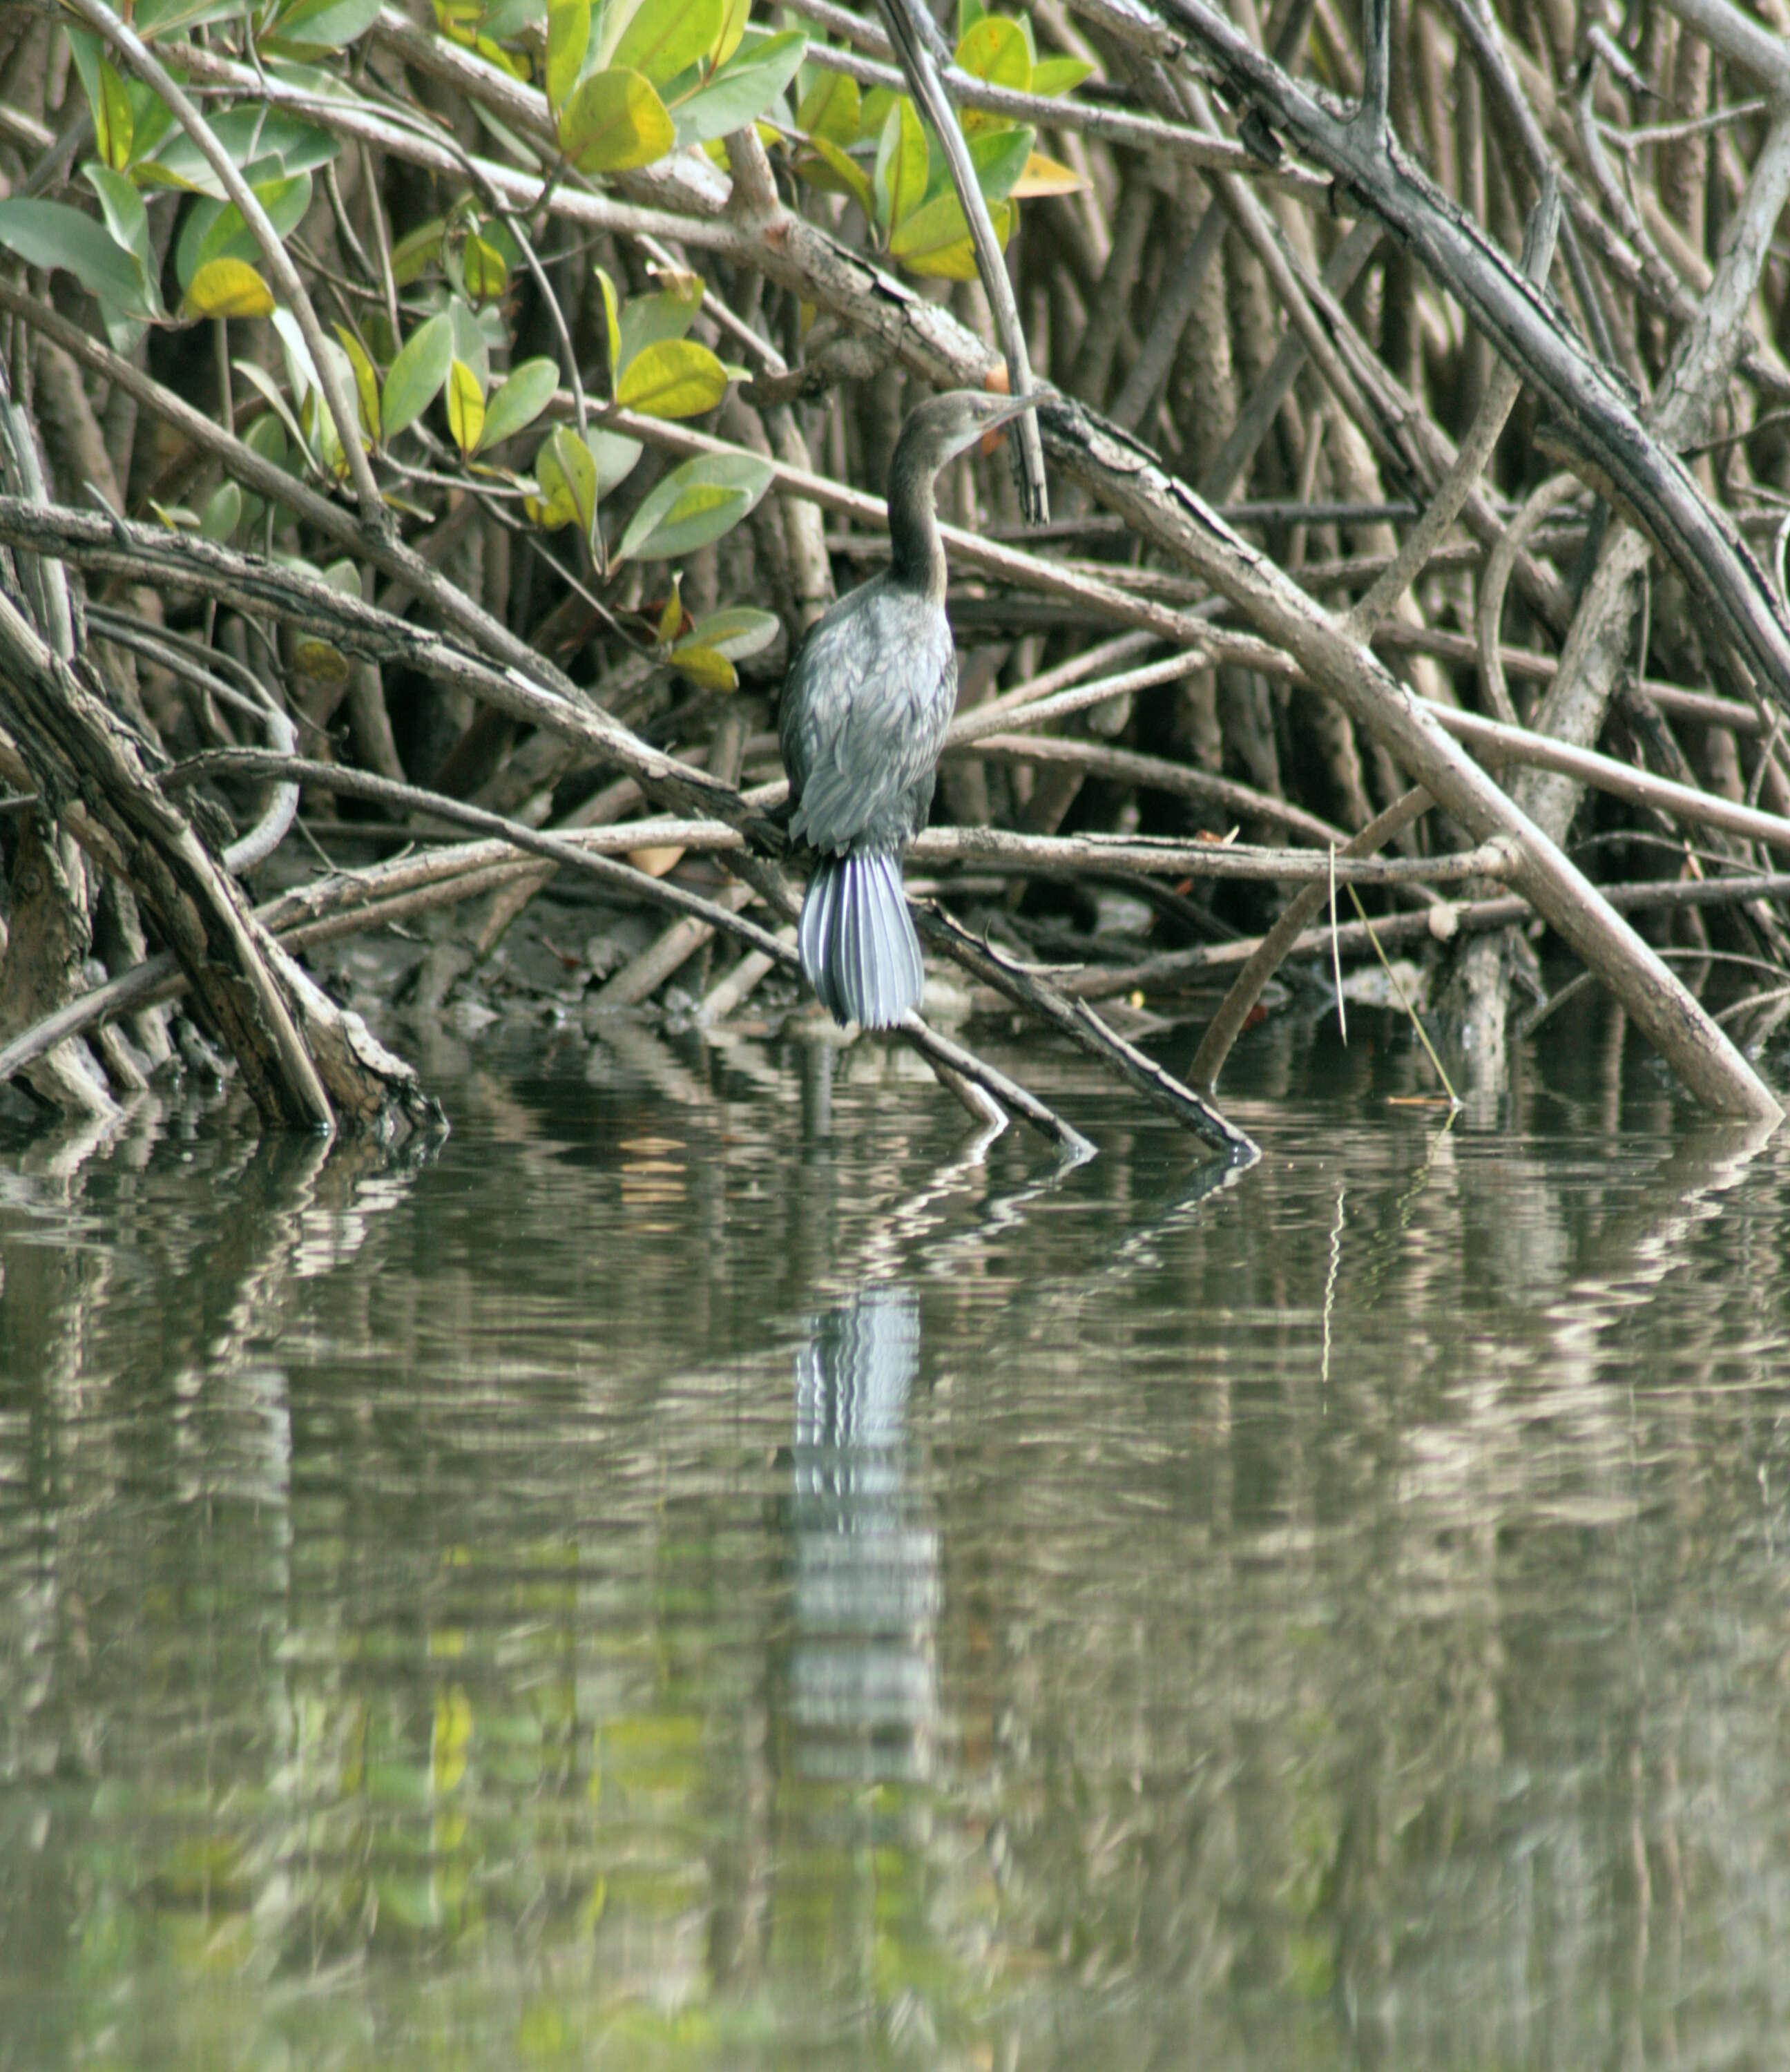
(901,157)
(706,667)
(831,108)
(568,35)
(666,37)
(675,378)
(567,474)
(733,28)
(994,49)
(614,122)
(1051,76)
(825,167)
(486,276)
(612,318)
(1044,176)
(670,618)
(319,661)
(366,381)
(226,288)
(737,631)
(465,408)
(114,121)
(935,241)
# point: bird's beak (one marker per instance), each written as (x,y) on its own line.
(996,426)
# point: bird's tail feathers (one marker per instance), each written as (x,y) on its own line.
(857,941)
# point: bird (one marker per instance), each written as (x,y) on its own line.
(865,704)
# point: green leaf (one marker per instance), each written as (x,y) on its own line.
(127,219)
(705,666)
(568,35)
(675,378)
(46,234)
(322,25)
(616,457)
(996,49)
(645,320)
(694,504)
(935,241)
(515,405)
(742,90)
(1051,76)
(664,37)
(226,288)
(416,251)
(1000,157)
(738,632)
(901,160)
(470,343)
(222,513)
(615,121)
(258,377)
(417,374)
(465,408)
(366,381)
(831,110)
(114,113)
(252,135)
(215,230)
(969,13)
(157,17)
(826,167)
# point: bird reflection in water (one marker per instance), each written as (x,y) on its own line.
(863,1695)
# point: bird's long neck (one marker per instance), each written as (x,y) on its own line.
(917,553)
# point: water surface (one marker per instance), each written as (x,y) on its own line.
(705,1570)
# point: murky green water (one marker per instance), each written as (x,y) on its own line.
(701,1573)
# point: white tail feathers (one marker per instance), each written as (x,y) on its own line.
(857,942)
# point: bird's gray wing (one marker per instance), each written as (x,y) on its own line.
(865,708)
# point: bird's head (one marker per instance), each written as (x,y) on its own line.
(944,426)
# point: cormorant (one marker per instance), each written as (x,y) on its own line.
(866,703)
